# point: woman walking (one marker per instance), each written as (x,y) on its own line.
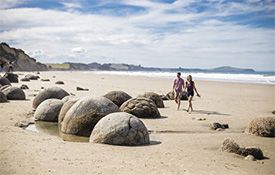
(190,86)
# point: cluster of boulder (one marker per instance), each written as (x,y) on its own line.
(111,119)
(9,92)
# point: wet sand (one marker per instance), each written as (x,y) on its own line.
(180,143)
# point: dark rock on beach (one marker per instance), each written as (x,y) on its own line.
(229,145)
(215,126)
(81,89)
(32,77)
(59,82)
(12,77)
(23,86)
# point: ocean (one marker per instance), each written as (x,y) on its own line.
(221,77)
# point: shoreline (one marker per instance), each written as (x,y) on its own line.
(212,77)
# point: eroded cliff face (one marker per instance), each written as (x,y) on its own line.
(21,61)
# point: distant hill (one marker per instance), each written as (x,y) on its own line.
(128,67)
(21,61)
(228,69)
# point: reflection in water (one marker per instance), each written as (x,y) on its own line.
(52,128)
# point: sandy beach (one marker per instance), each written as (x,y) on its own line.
(180,143)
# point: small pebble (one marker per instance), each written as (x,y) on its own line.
(250,158)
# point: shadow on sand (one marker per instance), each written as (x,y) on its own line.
(210,112)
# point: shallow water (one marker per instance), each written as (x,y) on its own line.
(52,128)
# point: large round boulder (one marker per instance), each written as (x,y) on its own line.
(264,127)
(52,92)
(3,97)
(155,97)
(81,118)
(14,93)
(4,81)
(117,97)
(120,128)
(66,106)
(141,107)
(13,78)
(48,110)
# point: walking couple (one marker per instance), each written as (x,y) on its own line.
(179,88)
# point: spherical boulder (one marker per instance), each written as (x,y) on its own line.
(14,93)
(66,106)
(13,78)
(4,81)
(81,118)
(120,128)
(155,97)
(117,97)
(3,97)
(264,127)
(48,110)
(52,92)
(141,107)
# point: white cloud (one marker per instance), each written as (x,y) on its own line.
(199,39)
(78,50)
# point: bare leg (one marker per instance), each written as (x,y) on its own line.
(190,106)
(176,98)
(179,97)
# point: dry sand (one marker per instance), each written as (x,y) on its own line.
(180,143)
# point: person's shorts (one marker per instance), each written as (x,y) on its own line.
(190,94)
(179,93)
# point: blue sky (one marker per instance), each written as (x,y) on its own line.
(160,33)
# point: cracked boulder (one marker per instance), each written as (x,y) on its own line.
(120,129)
(48,110)
(141,107)
(14,93)
(117,97)
(52,92)
(81,118)
(69,101)
(155,97)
